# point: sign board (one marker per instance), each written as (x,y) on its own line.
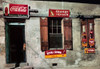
(15,11)
(84,40)
(58,13)
(55,53)
(84,44)
(91,42)
(89,50)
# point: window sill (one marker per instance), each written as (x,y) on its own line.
(56,48)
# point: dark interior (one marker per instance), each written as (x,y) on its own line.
(16,39)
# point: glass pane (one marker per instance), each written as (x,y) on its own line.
(59,30)
(50,22)
(54,23)
(50,30)
(59,22)
(55,40)
(54,30)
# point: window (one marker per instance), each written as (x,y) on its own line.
(87,31)
(56,33)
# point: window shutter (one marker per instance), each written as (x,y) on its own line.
(68,34)
(44,33)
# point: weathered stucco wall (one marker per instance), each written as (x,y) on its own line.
(75,57)
(75,8)
(2,40)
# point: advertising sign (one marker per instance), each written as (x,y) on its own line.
(55,53)
(84,40)
(84,44)
(58,13)
(89,50)
(18,9)
(91,42)
(15,10)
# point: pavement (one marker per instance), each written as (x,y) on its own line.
(93,67)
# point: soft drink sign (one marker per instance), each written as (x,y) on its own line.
(16,11)
(55,53)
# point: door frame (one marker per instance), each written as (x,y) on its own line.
(7,41)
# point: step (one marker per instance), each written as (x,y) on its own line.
(27,67)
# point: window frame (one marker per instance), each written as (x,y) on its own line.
(57,33)
(67,38)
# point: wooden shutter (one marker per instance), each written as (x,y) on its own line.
(44,33)
(68,34)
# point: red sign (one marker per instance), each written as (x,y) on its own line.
(55,53)
(58,13)
(18,9)
(89,50)
(6,11)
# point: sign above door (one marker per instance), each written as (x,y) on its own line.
(15,11)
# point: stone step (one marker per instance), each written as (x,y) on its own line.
(12,66)
(27,67)
(9,66)
(23,64)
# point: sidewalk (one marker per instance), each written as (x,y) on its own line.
(79,68)
(98,67)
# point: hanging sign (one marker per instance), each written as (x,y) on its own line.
(58,13)
(91,42)
(89,50)
(55,53)
(84,40)
(16,11)
(84,43)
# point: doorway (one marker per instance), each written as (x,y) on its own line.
(15,39)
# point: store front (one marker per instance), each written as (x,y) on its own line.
(56,36)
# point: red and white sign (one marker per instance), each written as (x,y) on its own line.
(55,53)
(18,9)
(58,13)
(89,50)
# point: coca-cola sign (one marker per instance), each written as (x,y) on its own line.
(18,9)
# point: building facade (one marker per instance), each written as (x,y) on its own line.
(40,32)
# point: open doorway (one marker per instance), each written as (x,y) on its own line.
(15,39)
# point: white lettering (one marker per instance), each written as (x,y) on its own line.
(18,9)
(90,50)
(58,52)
